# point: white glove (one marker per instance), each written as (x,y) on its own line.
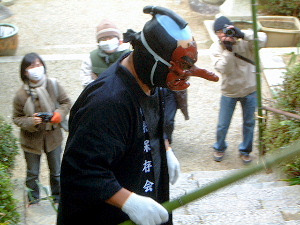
(173,166)
(144,210)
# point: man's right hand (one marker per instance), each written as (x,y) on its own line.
(36,120)
(228,45)
(226,41)
(144,210)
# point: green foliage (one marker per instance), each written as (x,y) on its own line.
(280,7)
(48,197)
(289,98)
(8,206)
(8,150)
(279,133)
(293,172)
(293,56)
(8,145)
(280,130)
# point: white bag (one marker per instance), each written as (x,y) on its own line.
(64,124)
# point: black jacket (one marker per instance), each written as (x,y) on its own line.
(105,149)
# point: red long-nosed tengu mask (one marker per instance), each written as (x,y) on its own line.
(182,67)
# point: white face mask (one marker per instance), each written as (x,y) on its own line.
(109,45)
(36,73)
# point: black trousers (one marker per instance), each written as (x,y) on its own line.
(170,112)
(33,171)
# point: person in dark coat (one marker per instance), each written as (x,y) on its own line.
(174,100)
(115,166)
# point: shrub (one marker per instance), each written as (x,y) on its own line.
(8,150)
(293,172)
(280,7)
(8,145)
(280,130)
(289,98)
(8,206)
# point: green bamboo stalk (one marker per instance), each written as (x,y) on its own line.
(258,80)
(283,154)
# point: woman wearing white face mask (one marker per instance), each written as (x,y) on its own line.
(110,48)
(40,132)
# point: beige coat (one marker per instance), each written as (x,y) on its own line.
(35,138)
(238,76)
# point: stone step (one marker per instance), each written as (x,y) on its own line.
(248,198)
(258,199)
(194,180)
(260,186)
(46,57)
(57,49)
(237,217)
(216,202)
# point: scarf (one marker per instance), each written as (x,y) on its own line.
(38,91)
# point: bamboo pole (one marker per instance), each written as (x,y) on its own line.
(258,79)
(285,154)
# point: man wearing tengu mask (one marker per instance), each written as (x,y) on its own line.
(233,57)
(115,166)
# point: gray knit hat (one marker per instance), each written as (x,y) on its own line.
(221,22)
(107,28)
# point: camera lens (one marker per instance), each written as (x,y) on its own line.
(229,32)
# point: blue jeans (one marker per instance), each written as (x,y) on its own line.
(227,107)
(33,170)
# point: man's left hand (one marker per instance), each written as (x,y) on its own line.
(173,166)
(238,33)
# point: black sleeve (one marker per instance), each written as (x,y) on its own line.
(98,139)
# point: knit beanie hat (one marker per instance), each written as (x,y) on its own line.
(107,28)
(221,22)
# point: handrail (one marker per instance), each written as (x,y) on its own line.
(283,154)
(278,111)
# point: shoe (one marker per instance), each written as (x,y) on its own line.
(30,204)
(218,156)
(246,158)
(56,200)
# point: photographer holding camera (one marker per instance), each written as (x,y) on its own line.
(38,110)
(233,58)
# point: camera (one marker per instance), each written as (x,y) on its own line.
(46,116)
(229,31)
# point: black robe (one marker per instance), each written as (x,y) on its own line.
(105,149)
